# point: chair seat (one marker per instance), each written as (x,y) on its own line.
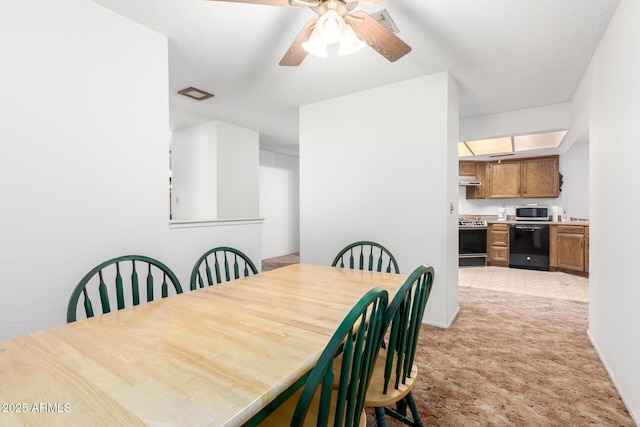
(375,398)
(282,416)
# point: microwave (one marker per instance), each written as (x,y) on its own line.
(532,213)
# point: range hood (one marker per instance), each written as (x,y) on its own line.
(468,181)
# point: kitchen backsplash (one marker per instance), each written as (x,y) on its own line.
(490,206)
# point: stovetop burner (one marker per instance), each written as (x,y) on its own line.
(472,223)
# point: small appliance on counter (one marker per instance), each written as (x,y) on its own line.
(532,212)
(502,214)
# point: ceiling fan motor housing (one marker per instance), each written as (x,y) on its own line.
(338,5)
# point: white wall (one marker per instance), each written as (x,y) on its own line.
(614,291)
(279,203)
(238,172)
(194,151)
(215,169)
(85,143)
(574,166)
(382,165)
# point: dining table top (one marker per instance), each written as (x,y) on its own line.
(215,356)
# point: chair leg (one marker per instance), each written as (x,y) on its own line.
(414,410)
(380,420)
(408,401)
(401,407)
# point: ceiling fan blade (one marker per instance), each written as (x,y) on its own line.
(264,2)
(377,36)
(296,53)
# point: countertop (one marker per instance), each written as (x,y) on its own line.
(493,219)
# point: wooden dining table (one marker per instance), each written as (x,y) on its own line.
(217,356)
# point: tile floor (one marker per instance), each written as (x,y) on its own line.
(531,282)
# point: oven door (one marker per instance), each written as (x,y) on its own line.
(472,246)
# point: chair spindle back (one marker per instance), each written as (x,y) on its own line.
(403,321)
(221,264)
(366,255)
(358,340)
(122,279)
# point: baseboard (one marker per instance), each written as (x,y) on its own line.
(445,325)
(613,380)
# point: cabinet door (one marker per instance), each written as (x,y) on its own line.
(499,244)
(500,238)
(467,168)
(571,251)
(500,255)
(478,192)
(504,180)
(481,174)
(540,177)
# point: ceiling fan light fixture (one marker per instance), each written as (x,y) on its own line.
(315,46)
(350,43)
(330,27)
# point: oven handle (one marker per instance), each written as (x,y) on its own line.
(528,227)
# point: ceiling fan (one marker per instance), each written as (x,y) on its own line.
(337,23)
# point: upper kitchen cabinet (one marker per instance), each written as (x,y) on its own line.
(540,177)
(467,168)
(480,172)
(503,180)
(536,177)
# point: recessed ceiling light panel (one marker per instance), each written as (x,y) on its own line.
(463,150)
(197,94)
(490,146)
(539,140)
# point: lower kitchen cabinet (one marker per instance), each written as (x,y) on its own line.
(570,248)
(498,244)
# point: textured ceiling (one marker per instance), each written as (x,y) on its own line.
(505,55)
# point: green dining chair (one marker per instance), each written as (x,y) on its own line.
(220,264)
(369,256)
(122,280)
(317,403)
(394,374)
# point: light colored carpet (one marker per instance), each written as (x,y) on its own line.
(517,355)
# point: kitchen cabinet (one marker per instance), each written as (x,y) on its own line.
(498,245)
(467,168)
(586,249)
(540,177)
(537,177)
(503,179)
(478,191)
(569,248)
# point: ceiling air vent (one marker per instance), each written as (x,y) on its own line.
(385,20)
(197,94)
